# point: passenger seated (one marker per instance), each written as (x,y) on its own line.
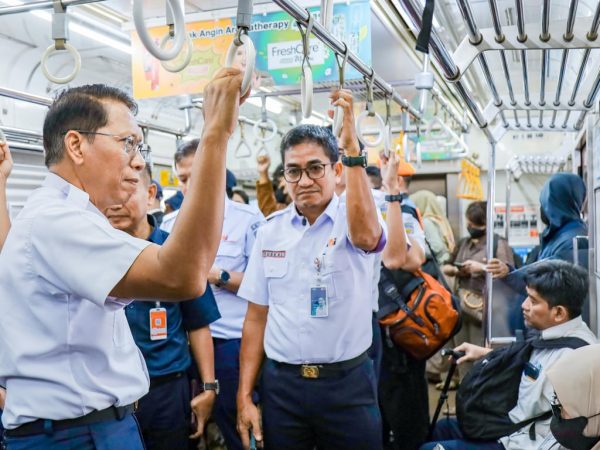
(556,291)
(576,407)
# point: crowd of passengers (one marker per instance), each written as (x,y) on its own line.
(122,318)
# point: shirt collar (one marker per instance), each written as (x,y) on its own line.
(563,329)
(155,235)
(330,211)
(73,194)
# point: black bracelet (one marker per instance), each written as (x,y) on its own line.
(394,198)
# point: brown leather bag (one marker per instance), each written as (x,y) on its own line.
(425,319)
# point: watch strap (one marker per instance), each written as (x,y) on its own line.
(394,198)
(351,161)
(211,386)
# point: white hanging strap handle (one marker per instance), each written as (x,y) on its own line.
(263,151)
(242,39)
(176,29)
(306,78)
(387,137)
(327,13)
(370,112)
(60,34)
(174,66)
(338,113)
(243,150)
(264,123)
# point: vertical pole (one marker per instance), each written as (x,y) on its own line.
(592,136)
(487,307)
(509,177)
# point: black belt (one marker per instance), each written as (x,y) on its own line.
(162,379)
(322,370)
(48,426)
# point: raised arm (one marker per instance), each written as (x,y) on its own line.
(6,164)
(364,229)
(396,247)
(192,246)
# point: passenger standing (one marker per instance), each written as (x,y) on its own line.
(162,330)
(309,304)
(67,357)
(271,195)
(240,225)
(157,196)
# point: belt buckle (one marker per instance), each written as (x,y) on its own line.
(309,371)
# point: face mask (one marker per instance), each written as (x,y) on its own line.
(476,233)
(279,195)
(569,433)
(544,217)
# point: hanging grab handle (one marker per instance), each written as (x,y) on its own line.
(60,34)
(327,14)
(243,23)
(176,22)
(370,112)
(243,150)
(338,113)
(387,137)
(173,66)
(306,78)
(263,123)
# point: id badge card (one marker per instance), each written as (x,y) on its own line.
(158,324)
(319,304)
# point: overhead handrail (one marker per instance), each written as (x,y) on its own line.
(243,149)
(176,23)
(263,123)
(242,39)
(446,134)
(183,59)
(370,112)
(306,78)
(387,137)
(338,112)
(327,14)
(60,34)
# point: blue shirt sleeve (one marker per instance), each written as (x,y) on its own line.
(200,312)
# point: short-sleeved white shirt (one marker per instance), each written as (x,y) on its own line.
(65,346)
(282,270)
(240,224)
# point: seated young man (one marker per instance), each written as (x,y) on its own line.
(556,292)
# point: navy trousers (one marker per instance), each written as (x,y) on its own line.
(338,412)
(110,435)
(376,350)
(447,433)
(164,415)
(227,371)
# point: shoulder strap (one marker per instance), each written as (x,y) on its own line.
(563,342)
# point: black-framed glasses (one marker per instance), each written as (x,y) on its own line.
(130,144)
(313,171)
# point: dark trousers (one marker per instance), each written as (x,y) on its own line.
(376,351)
(447,433)
(338,412)
(109,435)
(403,398)
(227,371)
(164,415)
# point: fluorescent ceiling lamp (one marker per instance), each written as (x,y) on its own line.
(273,105)
(117,45)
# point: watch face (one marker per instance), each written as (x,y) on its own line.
(224,276)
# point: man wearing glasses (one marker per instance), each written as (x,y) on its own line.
(68,359)
(308,283)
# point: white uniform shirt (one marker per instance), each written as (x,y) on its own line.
(240,225)
(282,270)
(535,395)
(65,347)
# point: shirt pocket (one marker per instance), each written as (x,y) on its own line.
(275,270)
(230,252)
(336,274)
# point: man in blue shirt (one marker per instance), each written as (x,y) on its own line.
(164,412)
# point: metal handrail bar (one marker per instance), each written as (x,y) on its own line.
(522,36)
(545,36)
(571,20)
(46,4)
(561,76)
(525,77)
(543,78)
(496,21)
(584,61)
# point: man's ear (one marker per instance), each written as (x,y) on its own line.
(561,314)
(152,189)
(73,142)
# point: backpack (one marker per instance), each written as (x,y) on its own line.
(416,312)
(490,390)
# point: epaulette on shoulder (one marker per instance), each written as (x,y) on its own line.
(276,214)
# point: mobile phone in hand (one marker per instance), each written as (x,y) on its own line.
(458,264)
(252,440)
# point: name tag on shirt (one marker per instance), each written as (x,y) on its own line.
(158,324)
(319,305)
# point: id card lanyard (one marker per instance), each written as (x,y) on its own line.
(158,323)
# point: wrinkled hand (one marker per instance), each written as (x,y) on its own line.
(497,268)
(202,405)
(472,352)
(263,162)
(389,172)
(347,140)
(6,161)
(248,418)
(221,102)
(473,267)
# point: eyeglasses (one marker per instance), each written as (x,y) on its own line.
(313,171)
(130,144)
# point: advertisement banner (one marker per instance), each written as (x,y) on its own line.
(278,51)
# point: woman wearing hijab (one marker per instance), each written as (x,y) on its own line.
(436,226)
(575,421)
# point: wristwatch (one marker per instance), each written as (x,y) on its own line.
(224,278)
(211,387)
(394,198)
(351,161)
